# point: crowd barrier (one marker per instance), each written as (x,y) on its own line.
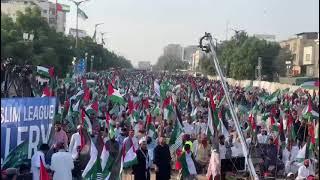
(268,86)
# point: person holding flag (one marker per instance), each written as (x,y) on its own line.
(36,161)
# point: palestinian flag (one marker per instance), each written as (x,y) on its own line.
(210,129)
(94,166)
(188,165)
(107,162)
(115,96)
(16,156)
(164,88)
(43,172)
(129,158)
(43,71)
(85,121)
(308,112)
(302,153)
(93,108)
(176,132)
(82,14)
(310,85)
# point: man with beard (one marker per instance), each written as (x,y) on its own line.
(141,170)
(162,160)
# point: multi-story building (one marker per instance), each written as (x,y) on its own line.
(267,37)
(305,50)
(81,33)
(56,18)
(175,50)
(188,53)
(144,65)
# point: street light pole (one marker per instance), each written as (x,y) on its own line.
(77,5)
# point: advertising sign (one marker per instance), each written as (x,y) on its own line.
(25,119)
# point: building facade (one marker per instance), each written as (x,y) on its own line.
(175,50)
(81,33)
(144,65)
(305,50)
(267,37)
(56,19)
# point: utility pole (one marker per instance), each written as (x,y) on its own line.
(77,5)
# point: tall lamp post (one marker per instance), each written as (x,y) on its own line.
(91,66)
(77,4)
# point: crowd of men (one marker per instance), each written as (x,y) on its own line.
(119,124)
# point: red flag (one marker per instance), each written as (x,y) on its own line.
(311,133)
(59,7)
(309,106)
(213,105)
(43,172)
(66,105)
(130,105)
(46,91)
(110,90)
(95,106)
(290,120)
(83,115)
(84,82)
(146,103)
(82,139)
(86,96)
(51,72)
(272,121)
(149,118)
(252,122)
(166,102)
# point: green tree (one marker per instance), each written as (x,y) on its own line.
(50,48)
(240,56)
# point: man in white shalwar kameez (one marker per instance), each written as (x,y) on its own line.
(305,171)
(62,164)
(75,142)
(35,161)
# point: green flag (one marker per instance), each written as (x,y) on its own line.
(16,156)
(82,15)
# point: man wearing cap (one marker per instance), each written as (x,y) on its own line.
(62,164)
(75,142)
(141,170)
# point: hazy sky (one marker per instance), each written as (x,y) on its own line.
(139,29)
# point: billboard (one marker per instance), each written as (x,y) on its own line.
(25,119)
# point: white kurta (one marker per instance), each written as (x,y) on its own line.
(262,139)
(62,165)
(74,143)
(188,128)
(304,172)
(35,164)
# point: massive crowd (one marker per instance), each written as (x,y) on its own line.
(115,124)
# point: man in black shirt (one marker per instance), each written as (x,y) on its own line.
(162,160)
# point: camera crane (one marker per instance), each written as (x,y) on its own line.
(209,48)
